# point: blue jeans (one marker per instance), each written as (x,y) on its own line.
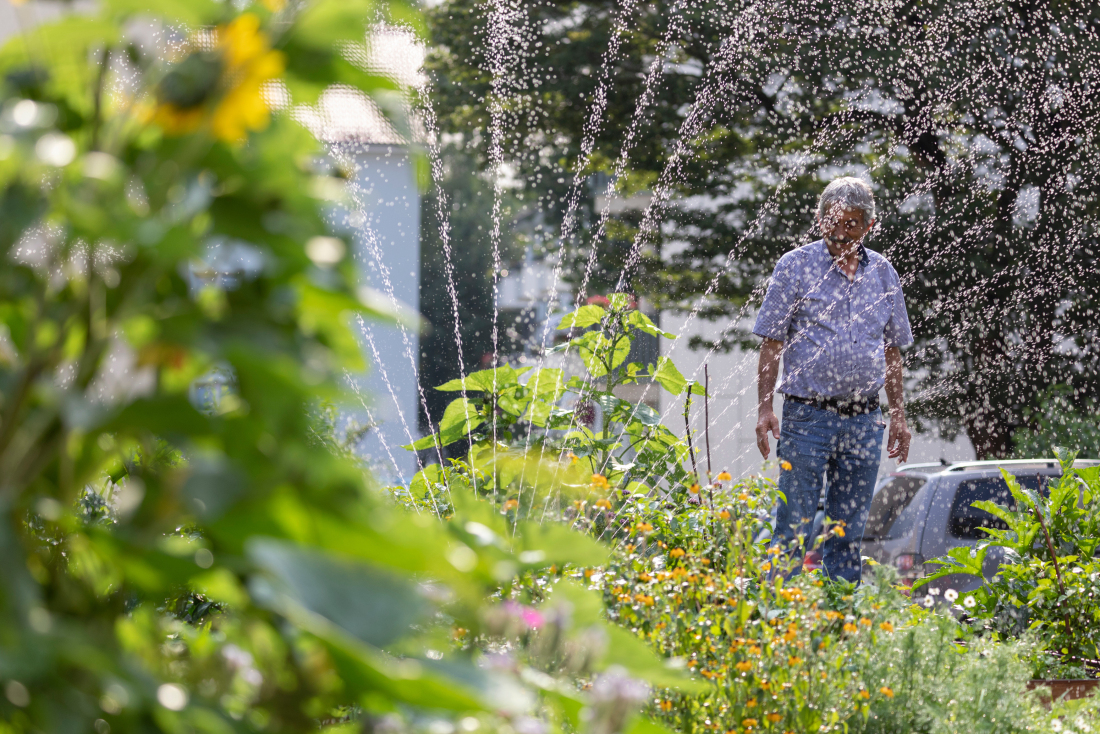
(844,450)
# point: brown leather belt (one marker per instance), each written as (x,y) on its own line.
(855,405)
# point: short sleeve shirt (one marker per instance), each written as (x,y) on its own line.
(835,330)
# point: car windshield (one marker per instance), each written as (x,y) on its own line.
(888,504)
(967,521)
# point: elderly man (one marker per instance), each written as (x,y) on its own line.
(835,312)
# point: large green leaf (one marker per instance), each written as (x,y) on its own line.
(551,543)
(191,12)
(62,50)
(670,378)
(490,380)
(376,606)
(583,317)
(323,24)
(643,323)
(460,417)
(623,647)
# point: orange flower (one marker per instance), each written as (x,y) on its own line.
(751,703)
(838,532)
(749,723)
(694,489)
(511,505)
(724,476)
(849,627)
(785,465)
(774,717)
(676,552)
(724,514)
(666,705)
(887,627)
(599,480)
(865,622)
(644,527)
(605,504)
(886,692)
(864,694)
(744,666)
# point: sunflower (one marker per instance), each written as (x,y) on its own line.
(231,76)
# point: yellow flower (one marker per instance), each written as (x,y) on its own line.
(751,703)
(511,505)
(838,532)
(666,705)
(676,553)
(273,5)
(644,527)
(604,504)
(599,480)
(865,622)
(785,465)
(744,666)
(849,627)
(886,692)
(724,514)
(753,650)
(643,599)
(573,458)
(774,717)
(235,73)
(886,626)
(864,694)
(743,497)
(723,476)
(832,616)
(694,489)
(749,723)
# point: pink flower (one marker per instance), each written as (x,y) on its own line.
(531,618)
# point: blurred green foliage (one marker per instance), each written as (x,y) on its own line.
(228,569)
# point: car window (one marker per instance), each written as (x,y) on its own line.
(889,502)
(966,521)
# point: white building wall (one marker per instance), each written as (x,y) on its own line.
(385,228)
(733,406)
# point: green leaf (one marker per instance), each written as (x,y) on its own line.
(194,13)
(642,323)
(489,380)
(550,543)
(460,417)
(376,606)
(62,51)
(672,380)
(324,23)
(583,317)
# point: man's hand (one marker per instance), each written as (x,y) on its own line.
(766,373)
(897,444)
(765,424)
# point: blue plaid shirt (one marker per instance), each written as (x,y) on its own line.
(835,331)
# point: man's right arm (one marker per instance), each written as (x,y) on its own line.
(767,372)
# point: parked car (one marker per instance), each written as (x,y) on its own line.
(921,511)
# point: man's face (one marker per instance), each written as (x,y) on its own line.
(842,229)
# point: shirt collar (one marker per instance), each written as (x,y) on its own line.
(863,257)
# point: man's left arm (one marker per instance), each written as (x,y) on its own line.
(897,443)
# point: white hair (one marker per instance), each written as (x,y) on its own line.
(850,193)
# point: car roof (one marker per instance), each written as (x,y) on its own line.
(1012,465)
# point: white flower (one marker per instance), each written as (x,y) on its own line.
(934,591)
(969,602)
(951,595)
(929,601)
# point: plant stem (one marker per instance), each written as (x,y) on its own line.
(687,432)
(706,413)
(1057,571)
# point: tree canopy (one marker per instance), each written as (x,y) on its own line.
(974,122)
